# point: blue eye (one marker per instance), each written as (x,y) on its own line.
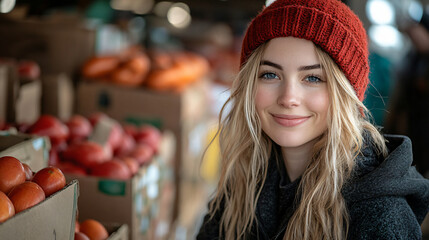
(313,79)
(268,75)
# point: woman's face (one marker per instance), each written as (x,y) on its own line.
(292,95)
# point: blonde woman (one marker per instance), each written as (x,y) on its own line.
(300,160)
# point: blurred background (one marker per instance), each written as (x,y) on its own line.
(170,64)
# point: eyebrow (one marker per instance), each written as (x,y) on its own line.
(302,68)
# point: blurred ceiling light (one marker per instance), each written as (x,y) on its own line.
(122,5)
(6,5)
(161,8)
(268,2)
(142,6)
(386,36)
(179,15)
(380,12)
(415,10)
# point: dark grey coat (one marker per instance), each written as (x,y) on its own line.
(386,198)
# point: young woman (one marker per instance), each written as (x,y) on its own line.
(300,159)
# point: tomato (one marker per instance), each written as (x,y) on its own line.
(28,172)
(7,209)
(12,173)
(116,131)
(94,229)
(85,154)
(131,163)
(143,153)
(130,130)
(70,168)
(28,69)
(26,195)
(52,127)
(76,225)
(126,146)
(51,179)
(80,128)
(54,158)
(114,169)
(150,135)
(95,117)
(99,66)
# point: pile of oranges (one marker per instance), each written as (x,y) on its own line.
(21,188)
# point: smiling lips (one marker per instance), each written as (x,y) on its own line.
(289,120)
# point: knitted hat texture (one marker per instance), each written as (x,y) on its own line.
(330,24)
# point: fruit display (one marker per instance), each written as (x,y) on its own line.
(74,151)
(129,68)
(20,191)
(176,71)
(134,67)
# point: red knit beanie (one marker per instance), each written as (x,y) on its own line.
(330,24)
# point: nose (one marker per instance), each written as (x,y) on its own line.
(289,95)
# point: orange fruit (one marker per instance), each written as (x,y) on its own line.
(6,208)
(94,229)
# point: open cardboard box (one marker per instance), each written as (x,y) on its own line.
(116,231)
(58,95)
(181,113)
(54,218)
(133,202)
(20,101)
(30,149)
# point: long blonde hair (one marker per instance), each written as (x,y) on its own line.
(245,150)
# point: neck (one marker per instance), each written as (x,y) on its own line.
(296,159)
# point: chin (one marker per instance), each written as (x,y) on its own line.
(294,141)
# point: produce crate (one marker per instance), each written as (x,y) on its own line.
(184,113)
(30,149)
(58,95)
(134,202)
(117,231)
(54,218)
(20,101)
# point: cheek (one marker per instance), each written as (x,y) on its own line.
(263,98)
(320,103)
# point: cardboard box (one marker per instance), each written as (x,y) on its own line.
(30,149)
(19,101)
(54,218)
(3,91)
(133,202)
(180,113)
(58,95)
(139,105)
(116,231)
(28,102)
(9,85)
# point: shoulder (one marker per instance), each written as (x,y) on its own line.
(385,217)
(210,225)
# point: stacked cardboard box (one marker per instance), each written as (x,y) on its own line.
(19,101)
(184,114)
(29,149)
(134,202)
